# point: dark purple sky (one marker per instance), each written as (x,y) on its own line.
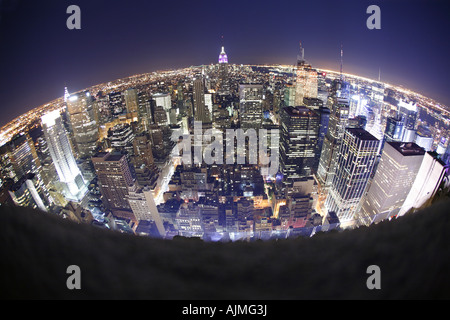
(39,55)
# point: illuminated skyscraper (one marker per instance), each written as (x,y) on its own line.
(289,95)
(142,147)
(73,184)
(394,129)
(131,100)
(83,124)
(324,114)
(200,112)
(408,113)
(392,182)
(142,203)
(251,103)
(223,73)
(223,58)
(163,100)
(144,110)
(337,123)
(299,138)
(306,82)
(354,164)
(18,157)
(424,137)
(114,178)
(428,180)
(27,192)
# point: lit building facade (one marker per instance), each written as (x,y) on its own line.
(200,112)
(73,184)
(392,182)
(306,80)
(251,104)
(142,203)
(338,121)
(224,85)
(299,141)
(163,100)
(355,161)
(83,124)
(428,180)
(114,178)
(131,100)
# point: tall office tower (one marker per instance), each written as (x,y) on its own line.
(116,103)
(142,147)
(73,186)
(223,58)
(180,91)
(224,86)
(198,96)
(394,129)
(121,137)
(84,126)
(131,100)
(209,105)
(18,157)
(306,81)
(428,180)
(392,182)
(251,102)
(424,137)
(103,111)
(408,113)
(114,178)
(440,149)
(144,111)
(142,203)
(336,127)
(299,138)
(324,114)
(163,100)
(289,95)
(355,161)
(28,192)
(159,116)
(322,89)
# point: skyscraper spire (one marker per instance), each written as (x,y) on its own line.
(223,58)
(66,94)
(342,63)
(301,57)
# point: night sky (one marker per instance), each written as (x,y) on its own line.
(39,55)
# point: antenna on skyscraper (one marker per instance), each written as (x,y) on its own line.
(302,52)
(379,74)
(66,93)
(301,57)
(342,62)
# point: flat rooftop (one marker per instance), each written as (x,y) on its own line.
(298,110)
(407,148)
(361,133)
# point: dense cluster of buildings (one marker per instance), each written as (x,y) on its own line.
(348,152)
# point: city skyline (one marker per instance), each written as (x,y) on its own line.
(48,56)
(133,129)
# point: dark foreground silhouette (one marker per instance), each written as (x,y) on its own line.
(413,254)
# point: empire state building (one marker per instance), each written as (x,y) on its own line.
(224,87)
